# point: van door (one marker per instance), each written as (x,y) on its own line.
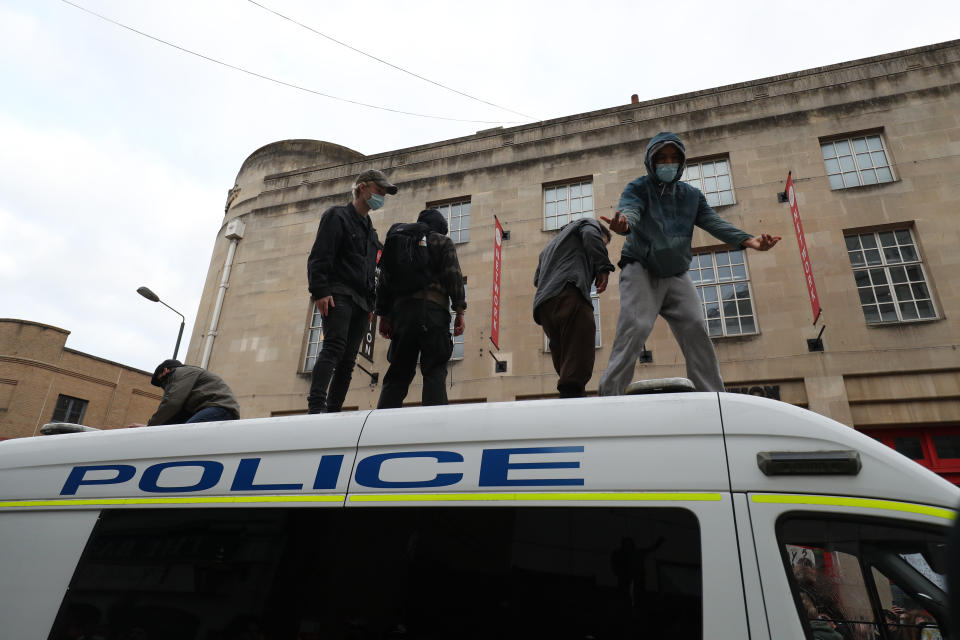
(835,568)
(593,518)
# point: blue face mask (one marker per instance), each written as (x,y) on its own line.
(376,201)
(666,172)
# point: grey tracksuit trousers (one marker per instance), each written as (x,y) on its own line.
(642,297)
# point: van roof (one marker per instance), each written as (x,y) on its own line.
(672,442)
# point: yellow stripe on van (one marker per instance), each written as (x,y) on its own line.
(98,502)
(866,503)
(545,497)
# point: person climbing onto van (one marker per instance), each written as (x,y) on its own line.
(657,213)
(190,394)
(341,275)
(572,261)
(420,283)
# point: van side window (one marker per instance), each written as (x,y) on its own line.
(867,579)
(388,572)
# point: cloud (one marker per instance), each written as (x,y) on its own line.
(118,151)
(84,222)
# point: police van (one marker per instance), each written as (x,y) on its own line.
(696,515)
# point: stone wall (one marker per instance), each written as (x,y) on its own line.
(766,128)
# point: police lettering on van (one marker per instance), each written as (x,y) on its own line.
(495,468)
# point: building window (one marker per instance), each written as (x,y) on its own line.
(852,162)
(458,219)
(459,342)
(314,339)
(936,448)
(889,274)
(712,177)
(69,409)
(595,301)
(565,203)
(724,289)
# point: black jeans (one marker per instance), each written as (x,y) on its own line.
(420,328)
(343,329)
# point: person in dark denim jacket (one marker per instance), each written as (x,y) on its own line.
(341,272)
(657,214)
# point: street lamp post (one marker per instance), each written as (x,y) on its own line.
(151,296)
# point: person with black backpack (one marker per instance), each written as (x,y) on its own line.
(419,284)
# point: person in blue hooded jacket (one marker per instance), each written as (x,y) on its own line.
(657,214)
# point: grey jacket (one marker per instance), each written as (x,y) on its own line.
(662,216)
(577,256)
(189,389)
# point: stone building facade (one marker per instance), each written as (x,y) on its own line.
(42,380)
(873,147)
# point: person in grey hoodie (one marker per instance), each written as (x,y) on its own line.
(657,214)
(191,394)
(570,263)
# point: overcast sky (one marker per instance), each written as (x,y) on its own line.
(116,151)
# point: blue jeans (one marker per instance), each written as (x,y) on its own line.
(212,414)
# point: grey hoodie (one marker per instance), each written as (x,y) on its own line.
(576,255)
(662,216)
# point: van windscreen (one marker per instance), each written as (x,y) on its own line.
(353,573)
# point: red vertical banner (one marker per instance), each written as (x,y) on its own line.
(495,312)
(802,244)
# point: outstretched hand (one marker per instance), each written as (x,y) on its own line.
(618,224)
(763,242)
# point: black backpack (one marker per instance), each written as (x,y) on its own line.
(405,260)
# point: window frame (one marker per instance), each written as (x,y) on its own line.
(313,314)
(849,138)
(70,409)
(886,266)
(566,184)
(949,468)
(717,283)
(445,207)
(699,162)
